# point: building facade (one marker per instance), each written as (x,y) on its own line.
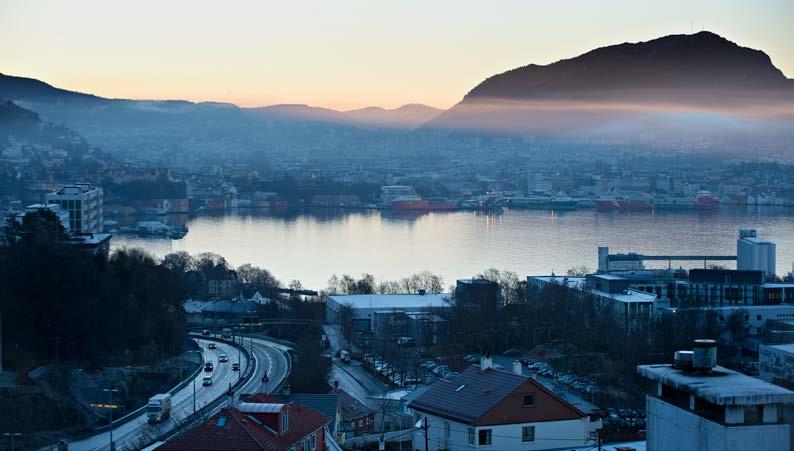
(754,253)
(84,204)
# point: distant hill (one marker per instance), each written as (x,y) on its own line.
(411,115)
(700,72)
(19,125)
(405,117)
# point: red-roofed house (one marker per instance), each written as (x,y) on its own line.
(262,422)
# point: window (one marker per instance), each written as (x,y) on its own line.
(758,317)
(313,441)
(529,400)
(485,437)
(446,429)
(528,434)
(471,436)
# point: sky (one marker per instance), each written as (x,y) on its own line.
(343,54)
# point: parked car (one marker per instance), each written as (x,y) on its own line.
(207,381)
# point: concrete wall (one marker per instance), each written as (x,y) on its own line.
(671,428)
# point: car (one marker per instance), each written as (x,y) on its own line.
(205,332)
(212,346)
(223,358)
(208,366)
(206,381)
(236,366)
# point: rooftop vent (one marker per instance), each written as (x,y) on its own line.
(704,355)
(683,360)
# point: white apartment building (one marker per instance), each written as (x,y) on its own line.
(84,204)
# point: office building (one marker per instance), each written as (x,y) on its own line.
(84,204)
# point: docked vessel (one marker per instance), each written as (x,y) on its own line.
(622,203)
(417,203)
(706,201)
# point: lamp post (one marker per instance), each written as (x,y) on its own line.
(110,392)
(13,436)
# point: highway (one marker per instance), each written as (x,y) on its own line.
(137,432)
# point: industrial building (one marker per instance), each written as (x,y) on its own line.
(477,295)
(364,306)
(754,253)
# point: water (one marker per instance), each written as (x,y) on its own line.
(311,247)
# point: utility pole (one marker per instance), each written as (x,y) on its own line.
(425,427)
(110,392)
(13,436)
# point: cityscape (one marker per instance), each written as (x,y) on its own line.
(556,236)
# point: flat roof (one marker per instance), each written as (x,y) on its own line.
(722,386)
(788,347)
(607,277)
(579,283)
(387,301)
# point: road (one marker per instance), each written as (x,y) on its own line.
(137,431)
(271,360)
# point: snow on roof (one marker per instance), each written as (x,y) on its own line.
(721,386)
(388,301)
(788,347)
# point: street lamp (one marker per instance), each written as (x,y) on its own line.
(110,392)
(194,382)
(13,436)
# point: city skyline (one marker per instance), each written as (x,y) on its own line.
(349,55)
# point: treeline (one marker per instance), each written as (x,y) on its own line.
(58,302)
(366,284)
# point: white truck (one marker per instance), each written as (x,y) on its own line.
(158,408)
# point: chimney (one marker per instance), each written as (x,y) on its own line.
(422,292)
(704,355)
(486,362)
(518,368)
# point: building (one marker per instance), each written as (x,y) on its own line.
(356,418)
(477,295)
(222,283)
(497,410)
(618,262)
(754,253)
(714,408)
(612,294)
(262,422)
(217,312)
(776,363)
(84,204)
(364,306)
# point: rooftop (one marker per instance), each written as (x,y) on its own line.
(721,386)
(579,283)
(788,347)
(387,301)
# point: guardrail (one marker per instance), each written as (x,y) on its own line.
(135,413)
(200,414)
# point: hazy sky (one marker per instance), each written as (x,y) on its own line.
(343,53)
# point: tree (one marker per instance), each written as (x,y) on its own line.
(578,271)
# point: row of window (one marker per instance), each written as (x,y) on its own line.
(485,437)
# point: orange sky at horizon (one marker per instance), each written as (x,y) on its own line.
(345,54)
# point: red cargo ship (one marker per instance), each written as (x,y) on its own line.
(706,201)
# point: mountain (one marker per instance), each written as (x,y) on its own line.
(407,116)
(24,127)
(621,86)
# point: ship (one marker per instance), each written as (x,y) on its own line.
(706,201)
(622,203)
(416,203)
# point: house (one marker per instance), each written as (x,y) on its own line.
(357,418)
(222,283)
(498,410)
(262,422)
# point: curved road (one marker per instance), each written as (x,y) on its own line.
(138,431)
